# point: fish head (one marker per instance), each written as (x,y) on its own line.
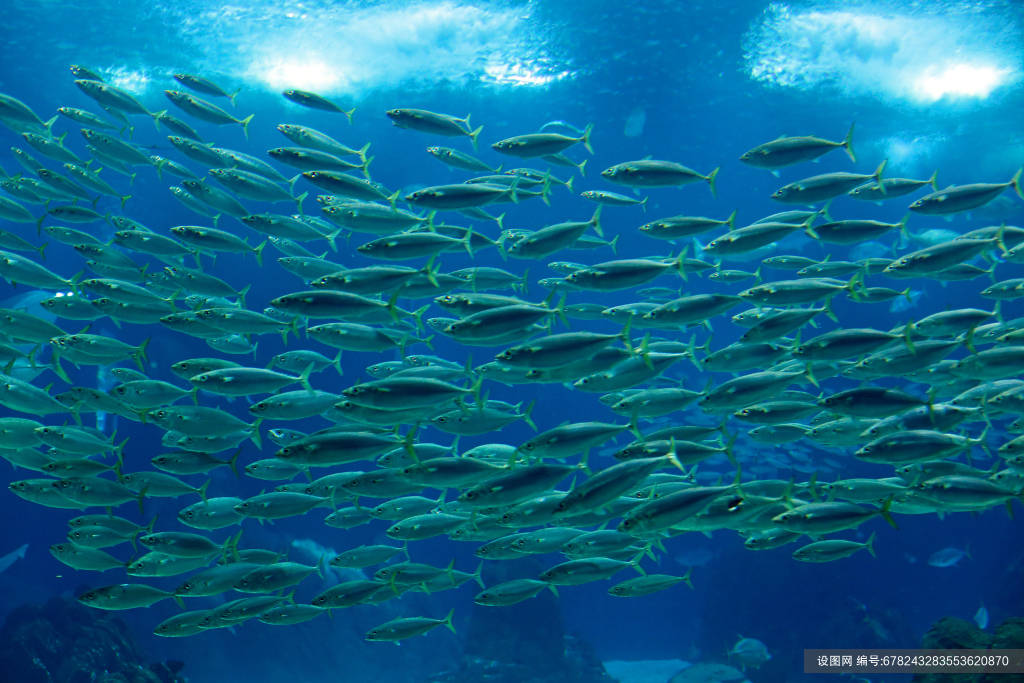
(201,378)
(90,597)
(176,96)
(780,193)
(400,116)
(62,549)
(786,517)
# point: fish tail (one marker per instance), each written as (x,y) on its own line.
(233,462)
(232,97)
(348,114)
(877,175)
(418,317)
(934,181)
(582,168)
(585,139)
(711,182)
(526,415)
(473,135)
(1015,182)
(362,152)
(596,220)
(245,124)
(848,144)
(448,619)
(869,544)
(258,251)
(124,199)
(731,220)
(365,166)
(304,378)
(885,513)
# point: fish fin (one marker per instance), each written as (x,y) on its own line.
(448,619)
(848,144)
(877,175)
(245,124)
(585,139)
(473,136)
(711,182)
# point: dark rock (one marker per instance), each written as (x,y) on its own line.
(950,633)
(1009,635)
(66,642)
(525,642)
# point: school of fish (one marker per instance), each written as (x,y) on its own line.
(915,401)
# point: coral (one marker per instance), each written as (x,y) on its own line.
(65,642)
(951,633)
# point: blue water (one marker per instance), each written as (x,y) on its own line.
(697,71)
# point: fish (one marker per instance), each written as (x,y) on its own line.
(656,173)
(205,86)
(434,123)
(949,557)
(750,651)
(787,151)
(204,111)
(823,187)
(981,617)
(955,199)
(534,145)
(10,558)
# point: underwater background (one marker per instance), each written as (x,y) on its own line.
(929,85)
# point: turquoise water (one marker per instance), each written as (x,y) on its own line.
(928,87)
